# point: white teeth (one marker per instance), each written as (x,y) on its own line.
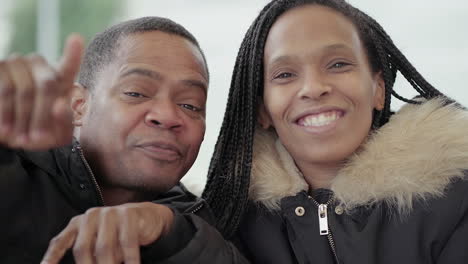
(320,120)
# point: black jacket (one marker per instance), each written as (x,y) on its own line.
(403,198)
(41,191)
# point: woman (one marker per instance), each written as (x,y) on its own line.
(311,166)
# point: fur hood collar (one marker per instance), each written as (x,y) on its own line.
(414,156)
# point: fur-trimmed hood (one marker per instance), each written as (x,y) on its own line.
(416,155)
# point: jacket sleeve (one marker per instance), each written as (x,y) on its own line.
(193,237)
(204,245)
(456,249)
(6,155)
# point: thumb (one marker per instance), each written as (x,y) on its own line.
(153,222)
(71,59)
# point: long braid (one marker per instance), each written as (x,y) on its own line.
(391,60)
(227,157)
(389,75)
(229,174)
(228,182)
(419,83)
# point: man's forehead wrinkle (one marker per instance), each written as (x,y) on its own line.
(143,72)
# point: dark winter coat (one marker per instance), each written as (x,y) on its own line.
(41,191)
(402,199)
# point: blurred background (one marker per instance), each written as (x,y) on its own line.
(433,34)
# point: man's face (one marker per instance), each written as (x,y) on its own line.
(144,120)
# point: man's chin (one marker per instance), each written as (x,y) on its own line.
(157,182)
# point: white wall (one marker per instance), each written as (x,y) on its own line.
(434,37)
(5,26)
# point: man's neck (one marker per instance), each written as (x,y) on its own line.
(111,194)
(116,196)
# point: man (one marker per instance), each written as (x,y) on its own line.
(138,118)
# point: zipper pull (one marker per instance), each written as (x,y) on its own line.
(323,219)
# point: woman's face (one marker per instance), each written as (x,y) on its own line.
(319,91)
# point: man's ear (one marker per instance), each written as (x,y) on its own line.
(264,118)
(379,93)
(79,103)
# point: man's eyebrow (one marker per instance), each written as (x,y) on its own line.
(144,72)
(196,83)
(157,76)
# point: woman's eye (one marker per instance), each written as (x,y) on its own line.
(191,107)
(135,94)
(339,65)
(283,75)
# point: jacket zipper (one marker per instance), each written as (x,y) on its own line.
(197,208)
(96,185)
(323,224)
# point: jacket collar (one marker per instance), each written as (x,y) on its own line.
(67,166)
(59,162)
(416,154)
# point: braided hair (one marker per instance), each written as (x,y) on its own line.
(228,182)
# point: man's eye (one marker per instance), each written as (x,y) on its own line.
(191,107)
(283,75)
(135,94)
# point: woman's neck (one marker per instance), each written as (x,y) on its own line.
(319,176)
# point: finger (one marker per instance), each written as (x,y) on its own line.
(24,98)
(7,103)
(128,238)
(83,248)
(71,58)
(59,245)
(46,82)
(63,120)
(60,130)
(106,242)
(14,55)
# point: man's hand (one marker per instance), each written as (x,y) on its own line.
(111,234)
(35,108)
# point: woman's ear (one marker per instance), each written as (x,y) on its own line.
(264,118)
(379,93)
(79,103)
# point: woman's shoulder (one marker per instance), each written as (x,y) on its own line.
(456,194)
(450,205)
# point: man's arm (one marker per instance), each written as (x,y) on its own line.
(6,155)
(193,236)
(115,234)
(207,245)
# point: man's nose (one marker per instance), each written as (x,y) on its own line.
(164,114)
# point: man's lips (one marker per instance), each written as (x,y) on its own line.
(161,150)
